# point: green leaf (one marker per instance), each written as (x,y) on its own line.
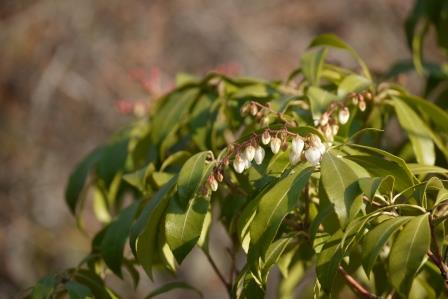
(369,186)
(273,254)
(143,234)
(44,288)
(276,203)
(115,237)
(78,179)
(312,63)
(420,169)
(113,159)
(352,83)
(94,283)
(183,225)
(319,100)
(191,176)
(78,291)
(328,261)
(417,131)
(374,241)
(172,286)
(177,157)
(407,253)
(339,182)
(331,40)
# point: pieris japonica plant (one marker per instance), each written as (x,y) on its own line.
(307,174)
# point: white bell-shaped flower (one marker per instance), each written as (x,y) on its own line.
(239,164)
(275,145)
(297,145)
(294,157)
(249,153)
(213,183)
(259,155)
(324,119)
(343,115)
(265,137)
(313,155)
(247,164)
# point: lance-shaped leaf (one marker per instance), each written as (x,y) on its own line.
(144,232)
(94,283)
(339,182)
(173,286)
(115,237)
(374,241)
(329,260)
(273,254)
(407,253)
(78,291)
(352,83)
(183,225)
(312,63)
(191,176)
(418,132)
(275,204)
(44,288)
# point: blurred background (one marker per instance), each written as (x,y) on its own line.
(68,79)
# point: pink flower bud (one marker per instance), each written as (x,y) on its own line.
(212,183)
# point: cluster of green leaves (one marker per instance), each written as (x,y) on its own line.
(371,211)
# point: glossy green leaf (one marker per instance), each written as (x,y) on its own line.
(44,288)
(312,63)
(115,237)
(276,203)
(78,291)
(339,182)
(144,232)
(353,83)
(374,241)
(331,40)
(417,131)
(78,179)
(173,286)
(183,225)
(407,253)
(319,100)
(191,176)
(273,254)
(94,283)
(328,261)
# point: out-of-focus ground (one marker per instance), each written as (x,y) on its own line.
(65,64)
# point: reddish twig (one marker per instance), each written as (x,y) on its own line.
(356,286)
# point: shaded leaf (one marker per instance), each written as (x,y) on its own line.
(173,286)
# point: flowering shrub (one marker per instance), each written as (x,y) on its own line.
(299,172)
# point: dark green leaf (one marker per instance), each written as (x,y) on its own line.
(44,288)
(172,286)
(78,291)
(115,238)
(312,63)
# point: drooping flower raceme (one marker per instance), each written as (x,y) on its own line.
(259,155)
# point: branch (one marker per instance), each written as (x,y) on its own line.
(356,286)
(436,256)
(227,285)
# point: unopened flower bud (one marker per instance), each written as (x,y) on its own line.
(355,100)
(219,177)
(275,145)
(324,119)
(368,96)
(294,157)
(344,115)
(360,97)
(362,105)
(315,141)
(253,109)
(225,161)
(313,155)
(265,121)
(297,145)
(266,137)
(335,129)
(284,145)
(244,109)
(328,132)
(322,148)
(239,164)
(249,153)
(212,183)
(247,164)
(259,155)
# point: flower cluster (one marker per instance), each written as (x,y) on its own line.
(310,148)
(338,113)
(301,148)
